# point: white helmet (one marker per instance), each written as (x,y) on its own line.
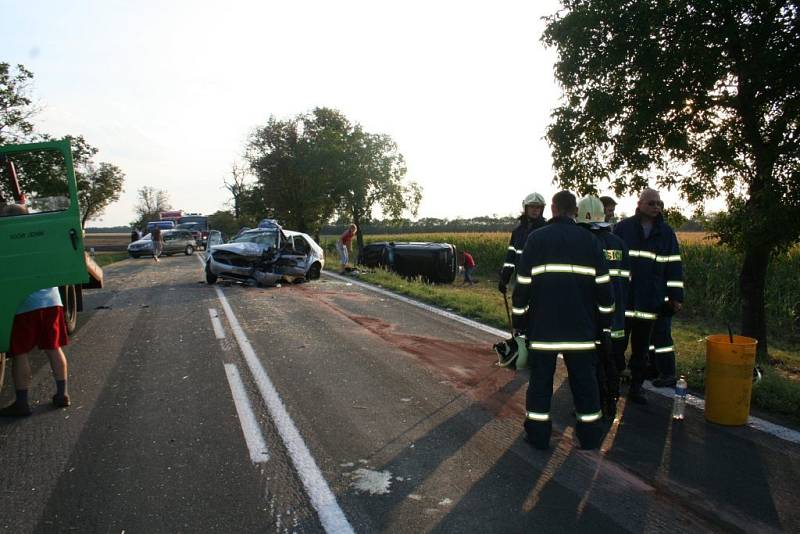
(590,210)
(533,199)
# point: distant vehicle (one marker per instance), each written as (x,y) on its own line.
(198,224)
(172,215)
(267,256)
(164,225)
(434,262)
(175,242)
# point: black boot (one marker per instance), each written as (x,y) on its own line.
(636,393)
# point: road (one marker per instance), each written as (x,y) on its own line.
(325,407)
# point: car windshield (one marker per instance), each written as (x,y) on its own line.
(263,238)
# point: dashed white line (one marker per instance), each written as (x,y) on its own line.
(219,332)
(319,493)
(256,443)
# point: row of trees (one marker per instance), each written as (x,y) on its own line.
(306,170)
(99,184)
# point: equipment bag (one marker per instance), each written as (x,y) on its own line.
(512,353)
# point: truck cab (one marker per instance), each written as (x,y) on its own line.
(41,239)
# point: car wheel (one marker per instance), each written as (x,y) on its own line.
(211,278)
(314,272)
(189,250)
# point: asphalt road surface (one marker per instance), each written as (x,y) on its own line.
(327,407)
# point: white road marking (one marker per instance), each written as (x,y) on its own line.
(216,323)
(247,418)
(781,432)
(319,493)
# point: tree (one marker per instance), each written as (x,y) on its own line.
(16,106)
(98,186)
(702,97)
(373,174)
(238,188)
(151,203)
(225,222)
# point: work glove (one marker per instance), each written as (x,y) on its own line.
(505,277)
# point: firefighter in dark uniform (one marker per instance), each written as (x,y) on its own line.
(562,299)
(656,282)
(611,357)
(530,220)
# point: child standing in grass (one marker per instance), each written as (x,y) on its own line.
(469,266)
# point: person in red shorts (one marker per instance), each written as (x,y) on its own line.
(39,322)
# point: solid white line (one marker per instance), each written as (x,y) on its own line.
(216,323)
(781,432)
(252,432)
(319,493)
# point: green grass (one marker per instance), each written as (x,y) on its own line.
(777,393)
(106,258)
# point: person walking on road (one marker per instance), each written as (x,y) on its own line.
(562,299)
(158,242)
(611,355)
(530,220)
(656,285)
(343,246)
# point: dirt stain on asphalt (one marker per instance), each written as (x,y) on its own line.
(468,367)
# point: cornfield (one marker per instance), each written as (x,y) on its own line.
(711,275)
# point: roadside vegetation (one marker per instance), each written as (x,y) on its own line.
(107,258)
(711,277)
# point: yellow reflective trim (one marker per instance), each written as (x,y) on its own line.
(604,279)
(562,268)
(662,350)
(509,265)
(609,309)
(561,345)
(588,417)
(640,315)
(617,334)
(642,254)
(519,311)
(651,347)
(674,283)
(523,279)
(512,248)
(534,416)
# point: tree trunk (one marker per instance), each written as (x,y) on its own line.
(752,283)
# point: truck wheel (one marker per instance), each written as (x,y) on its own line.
(189,250)
(211,278)
(69,299)
(2,368)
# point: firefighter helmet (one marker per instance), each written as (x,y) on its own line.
(534,199)
(590,210)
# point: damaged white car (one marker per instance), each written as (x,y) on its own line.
(266,255)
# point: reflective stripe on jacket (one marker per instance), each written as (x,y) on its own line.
(519,236)
(656,268)
(563,295)
(619,268)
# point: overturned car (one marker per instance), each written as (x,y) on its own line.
(266,255)
(434,262)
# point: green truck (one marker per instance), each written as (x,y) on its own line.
(41,240)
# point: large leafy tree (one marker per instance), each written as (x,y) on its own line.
(150,204)
(374,172)
(702,97)
(16,106)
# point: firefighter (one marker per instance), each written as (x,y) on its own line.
(530,220)
(656,282)
(611,356)
(561,300)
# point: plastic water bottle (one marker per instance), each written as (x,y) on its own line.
(679,405)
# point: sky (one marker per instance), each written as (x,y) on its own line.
(170,91)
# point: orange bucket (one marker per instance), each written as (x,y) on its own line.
(729,378)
